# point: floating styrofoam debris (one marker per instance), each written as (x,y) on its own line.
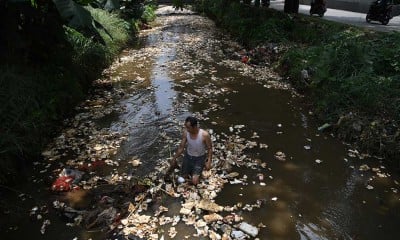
(249,229)
(209,206)
(212,217)
(238,235)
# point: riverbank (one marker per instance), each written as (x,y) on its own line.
(351,75)
(50,69)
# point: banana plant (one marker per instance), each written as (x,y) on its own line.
(74,14)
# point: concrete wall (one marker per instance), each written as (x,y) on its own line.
(360,6)
(351,5)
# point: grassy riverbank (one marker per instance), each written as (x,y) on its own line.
(46,69)
(352,76)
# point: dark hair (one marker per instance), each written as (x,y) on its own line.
(193,121)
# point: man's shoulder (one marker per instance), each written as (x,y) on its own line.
(184,132)
(205,133)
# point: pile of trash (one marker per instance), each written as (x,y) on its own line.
(67,180)
(132,207)
(262,55)
(198,209)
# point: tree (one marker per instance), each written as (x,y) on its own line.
(291,6)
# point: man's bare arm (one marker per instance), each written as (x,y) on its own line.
(180,149)
(209,150)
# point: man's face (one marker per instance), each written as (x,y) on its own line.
(189,128)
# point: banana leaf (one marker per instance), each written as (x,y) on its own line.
(79,18)
(75,15)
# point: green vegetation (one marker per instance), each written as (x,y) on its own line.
(252,26)
(148,14)
(354,72)
(46,68)
(354,75)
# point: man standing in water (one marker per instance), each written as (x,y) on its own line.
(197,141)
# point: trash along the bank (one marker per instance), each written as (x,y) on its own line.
(66,180)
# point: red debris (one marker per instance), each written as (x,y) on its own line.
(66,180)
(63,183)
(245,59)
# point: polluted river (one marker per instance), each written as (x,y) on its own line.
(274,174)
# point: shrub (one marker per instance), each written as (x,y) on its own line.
(33,100)
(114,31)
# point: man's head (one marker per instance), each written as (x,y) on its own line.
(191,124)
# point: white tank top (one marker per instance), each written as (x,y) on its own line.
(196,147)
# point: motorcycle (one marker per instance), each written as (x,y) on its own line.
(318,7)
(381,11)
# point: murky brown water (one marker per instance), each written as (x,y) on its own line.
(326,200)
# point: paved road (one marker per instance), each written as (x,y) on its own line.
(353,18)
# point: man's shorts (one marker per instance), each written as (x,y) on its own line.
(193,165)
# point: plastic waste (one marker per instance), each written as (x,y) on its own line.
(66,179)
(76,175)
(238,235)
(181,179)
(249,229)
(62,183)
(245,59)
(323,127)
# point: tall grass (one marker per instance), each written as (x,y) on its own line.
(356,72)
(149,13)
(89,56)
(33,101)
